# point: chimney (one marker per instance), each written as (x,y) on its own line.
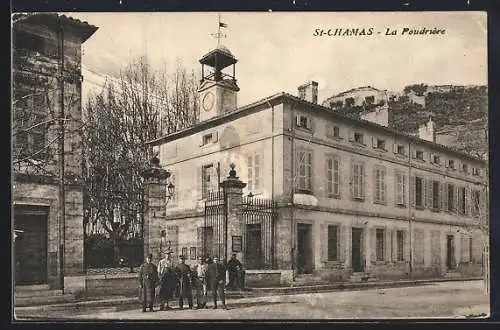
(427,131)
(379,116)
(309,92)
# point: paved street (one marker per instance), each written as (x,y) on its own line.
(448,299)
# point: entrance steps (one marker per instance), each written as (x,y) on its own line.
(452,274)
(35,295)
(308,279)
(361,277)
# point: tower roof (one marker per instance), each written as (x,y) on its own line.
(220,57)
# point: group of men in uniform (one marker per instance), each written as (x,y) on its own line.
(180,280)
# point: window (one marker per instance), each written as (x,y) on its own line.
(465,168)
(29,132)
(419,155)
(419,192)
(303,122)
(400,242)
(470,249)
(475,202)
(333,176)
(332,243)
(451,164)
(192,253)
(253,165)
(184,252)
(461,200)
(358,173)
(435,159)
(380,185)
(207,139)
(358,138)
(476,171)
(333,131)
(304,171)
(380,241)
(336,131)
(207,179)
(400,188)
(435,195)
(451,198)
(380,144)
(401,149)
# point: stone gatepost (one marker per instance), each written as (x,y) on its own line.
(154,215)
(233,190)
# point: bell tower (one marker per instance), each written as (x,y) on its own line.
(218,89)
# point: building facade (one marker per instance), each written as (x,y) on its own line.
(353,196)
(47,244)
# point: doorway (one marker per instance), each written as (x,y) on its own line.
(304,249)
(356,248)
(254,246)
(450,252)
(30,248)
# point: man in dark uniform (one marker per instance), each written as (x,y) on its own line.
(148,277)
(183,276)
(236,273)
(167,279)
(218,279)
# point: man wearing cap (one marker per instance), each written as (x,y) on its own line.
(148,277)
(167,279)
(183,277)
(200,283)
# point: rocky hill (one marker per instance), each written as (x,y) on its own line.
(460,113)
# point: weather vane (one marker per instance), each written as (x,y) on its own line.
(219,34)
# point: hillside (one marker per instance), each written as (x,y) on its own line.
(460,114)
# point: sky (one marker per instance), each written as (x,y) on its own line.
(278,51)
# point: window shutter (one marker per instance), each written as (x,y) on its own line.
(375,184)
(406,249)
(215,136)
(351,134)
(363,176)
(297,121)
(396,185)
(340,178)
(327,176)
(457,199)
(388,244)
(341,236)
(412,190)
(351,179)
(324,240)
(468,208)
(414,154)
(395,148)
(373,244)
(430,194)
(394,245)
(310,174)
(446,163)
(374,142)
(311,124)
(384,182)
(199,183)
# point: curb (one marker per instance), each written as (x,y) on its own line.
(253,293)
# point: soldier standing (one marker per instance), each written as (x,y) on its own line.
(167,279)
(148,277)
(183,276)
(200,283)
(218,279)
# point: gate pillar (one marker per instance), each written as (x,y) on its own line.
(233,193)
(155,198)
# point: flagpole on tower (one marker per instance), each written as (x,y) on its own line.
(218,32)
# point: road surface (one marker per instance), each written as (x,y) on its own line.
(441,300)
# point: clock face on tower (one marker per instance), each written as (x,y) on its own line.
(208,101)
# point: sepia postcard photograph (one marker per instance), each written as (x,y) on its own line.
(249,166)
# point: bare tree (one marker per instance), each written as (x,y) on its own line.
(140,106)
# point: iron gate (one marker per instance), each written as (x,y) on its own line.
(259,234)
(213,233)
(258,217)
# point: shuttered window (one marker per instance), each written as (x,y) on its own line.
(333,176)
(380,244)
(400,243)
(400,188)
(358,181)
(419,191)
(380,185)
(451,198)
(253,171)
(304,159)
(435,195)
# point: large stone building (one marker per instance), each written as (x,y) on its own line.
(48,245)
(353,196)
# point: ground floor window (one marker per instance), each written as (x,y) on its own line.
(380,233)
(400,240)
(332,243)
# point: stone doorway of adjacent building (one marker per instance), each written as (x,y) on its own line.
(254,246)
(30,246)
(450,252)
(357,250)
(304,249)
